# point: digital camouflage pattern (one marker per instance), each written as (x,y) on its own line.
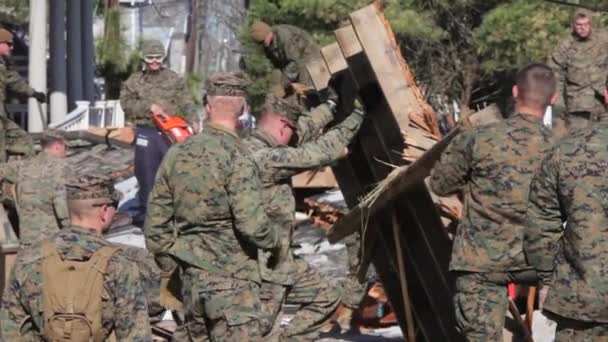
(40,195)
(208,188)
(124,305)
(164,87)
(580,67)
(481,301)
(277,165)
(492,166)
(226,84)
(11,80)
(291,49)
(14,140)
(571,187)
(205,213)
(149,275)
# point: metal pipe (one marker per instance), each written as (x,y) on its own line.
(88,50)
(74,53)
(57,49)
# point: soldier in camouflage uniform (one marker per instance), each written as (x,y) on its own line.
(14,140)
(289,48)
(492,166)
(92,202)
(580,65)
(572,260)
(9,78)
(278,163)
(205,215)
(154,89)
(39,190)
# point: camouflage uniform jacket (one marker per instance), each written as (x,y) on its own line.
(581,67)
(124,305)
(40,196)
(279,163)
(572,186)
(14,140)
(205,208)
(165,88)
(149,275)
(492,166)
(291,49)
(11,80)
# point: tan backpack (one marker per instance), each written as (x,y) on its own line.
(72,295)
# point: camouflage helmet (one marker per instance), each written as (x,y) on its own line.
(226,84)
(152,48)
(5,36)
(290,110)
(81,185)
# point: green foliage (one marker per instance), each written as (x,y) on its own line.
(15,12)
(461,49)
(519,32)
(114,58)
(194,85)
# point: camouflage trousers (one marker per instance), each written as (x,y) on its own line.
(317,301)
(14,140)
(481,302)
(352,290)
(221,309)
(569,330)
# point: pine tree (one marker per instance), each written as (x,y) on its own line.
(462,50)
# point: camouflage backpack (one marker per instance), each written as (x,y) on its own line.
(72,295)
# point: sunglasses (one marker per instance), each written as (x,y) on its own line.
(154,58)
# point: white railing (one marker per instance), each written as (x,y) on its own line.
(100,114)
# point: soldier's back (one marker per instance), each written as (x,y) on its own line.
(121,301)
(502,158)
(40,196)
(200,173)
(573,182)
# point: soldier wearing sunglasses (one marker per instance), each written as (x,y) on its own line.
(154,89)
(9,78)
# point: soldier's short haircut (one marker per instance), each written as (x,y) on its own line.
(536,84)
(226,105)
(48,140)
(581,14)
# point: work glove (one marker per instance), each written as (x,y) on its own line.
(300,89)
(39,96)
(331,98)
(359,109)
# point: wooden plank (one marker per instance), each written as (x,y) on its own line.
(319,74)
(334,58)
(385,60)
(322,178)
(348,41)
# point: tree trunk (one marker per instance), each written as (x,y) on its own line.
(219,22)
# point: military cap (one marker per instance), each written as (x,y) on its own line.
(284,107)
(152,47)
(226,84)
(5,36)
(83,186)
(259,30)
